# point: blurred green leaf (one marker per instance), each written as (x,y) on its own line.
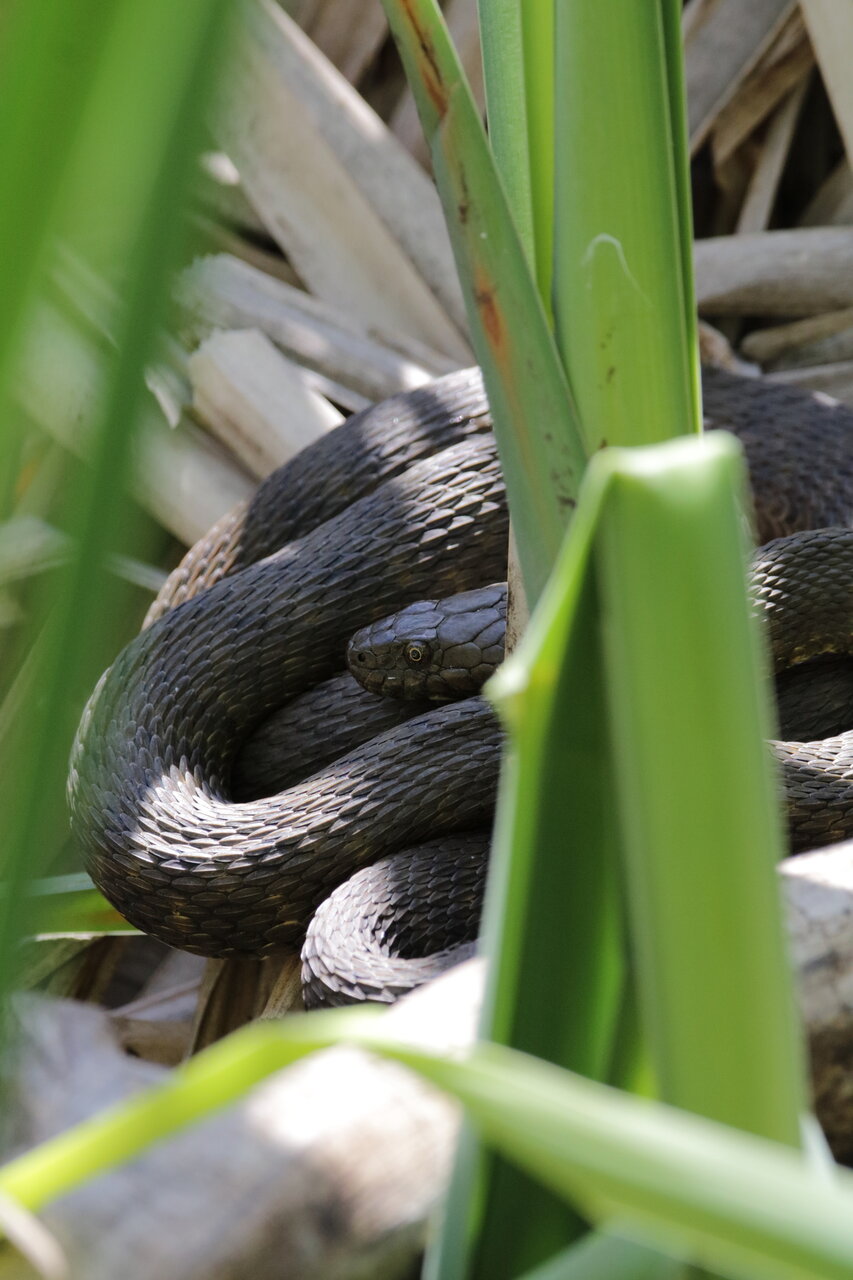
(126,141)
(750,1208)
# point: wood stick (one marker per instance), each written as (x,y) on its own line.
(818,339)
(784,273)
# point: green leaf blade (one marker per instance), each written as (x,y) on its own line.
(701,830)
(535,422)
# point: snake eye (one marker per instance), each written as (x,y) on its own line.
(415,654)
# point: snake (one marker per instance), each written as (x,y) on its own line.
(404,501)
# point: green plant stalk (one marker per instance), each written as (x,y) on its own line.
(673,51)
(560,875)
(538,37)
(502,43)
(535,424)
(160,131)
(623,295)
(749,1207)
(690,714)
(518,68)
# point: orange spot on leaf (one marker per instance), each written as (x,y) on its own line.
(428,62)
(484,295)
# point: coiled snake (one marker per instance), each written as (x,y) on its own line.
(402,501)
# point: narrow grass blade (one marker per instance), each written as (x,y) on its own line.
(518,65)
(698,800)
(536,427)
(504,77)
(623,296)
(538,37)
(746,1206)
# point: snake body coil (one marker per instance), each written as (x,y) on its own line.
(246,623)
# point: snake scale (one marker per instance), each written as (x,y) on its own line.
(402,501)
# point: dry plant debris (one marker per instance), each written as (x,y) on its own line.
(324,280)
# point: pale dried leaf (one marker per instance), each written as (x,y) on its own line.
(171,990)
(256,400)
(165,1042)
(724,39)
(219,190)
(761,193)
(715,348)
(224,293)
(830,26)
(335,392)
(518,611)
(348,32)
(51,964)
(233,992)
(181,476)
(338,193)
(32,1239)
(286,993)
(832,204)
(29,545)
(216,238)
(785,63)
(92,298)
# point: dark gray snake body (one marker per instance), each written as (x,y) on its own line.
(401,502)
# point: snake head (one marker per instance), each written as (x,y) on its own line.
(435,649)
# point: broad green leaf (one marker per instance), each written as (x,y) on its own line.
(697,795)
